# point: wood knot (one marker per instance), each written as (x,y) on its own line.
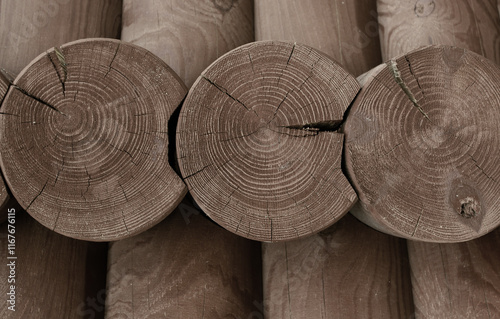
(469,207)
(424,8)
(224,6)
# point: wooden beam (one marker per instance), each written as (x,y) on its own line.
(407,25)
(345,30)
(185,267)
(30,27)
(188,34)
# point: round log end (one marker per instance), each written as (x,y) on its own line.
(423,146)
(258,142)
(84,135)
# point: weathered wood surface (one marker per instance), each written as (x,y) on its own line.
(51,273)
(422,159)
(407,25)
(185,267)
(84,134)
(188,35)
(5,197)
(346,30)
(30,27)
(457,280)
(346,271)
(257,142)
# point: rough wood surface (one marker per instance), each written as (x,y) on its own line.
(457,280)
(257,142)
(323,276)
(185,267)
(49,275)
(407,25)
(30,27)
(346,30)
(188,35)
(423,159)
(84,134)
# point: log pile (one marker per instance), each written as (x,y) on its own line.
(275,141)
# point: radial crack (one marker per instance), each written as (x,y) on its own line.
(37,99)
(393,67)
(223,90)
(62,63)
(322,126)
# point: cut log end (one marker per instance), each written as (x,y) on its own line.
(422,146)
(258,144)
(84,130)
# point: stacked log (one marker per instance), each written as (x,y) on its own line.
(54,276)
(257,141)
(302,278)
(186,267)
(408,25)
(188,34)
(33,26)
(84,132)
(6,199)
(429,93)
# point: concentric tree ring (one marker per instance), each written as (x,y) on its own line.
(84,133)
(423,146)
(258,145)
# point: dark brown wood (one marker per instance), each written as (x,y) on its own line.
(407,25)
(346,271)
(346,30)
(49,272)
(188,34)
(423,159)
(30,27)
(185,267)
(457,280)
(257,142)
(84,134)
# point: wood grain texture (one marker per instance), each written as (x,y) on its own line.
(409,24)
(423,159)
(188,35)
(185,267)
(457,280)
(84,130)
(50,271)
(346,271)
(257,143)
(30,27)
(344,29)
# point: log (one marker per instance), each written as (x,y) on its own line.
(408,25)
(346,30)
(84,130)
(33,26)
(346,271)
(457,280)
(423,160)
(257,142)
(51,273)
(188,35)
(185,267)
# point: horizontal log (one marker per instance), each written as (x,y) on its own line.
(407,25)
(84,131)
(33,26)
(346,30)
(457,280)
(188,34)
(423,159)
(346,271)
(257,141)
(185,267)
